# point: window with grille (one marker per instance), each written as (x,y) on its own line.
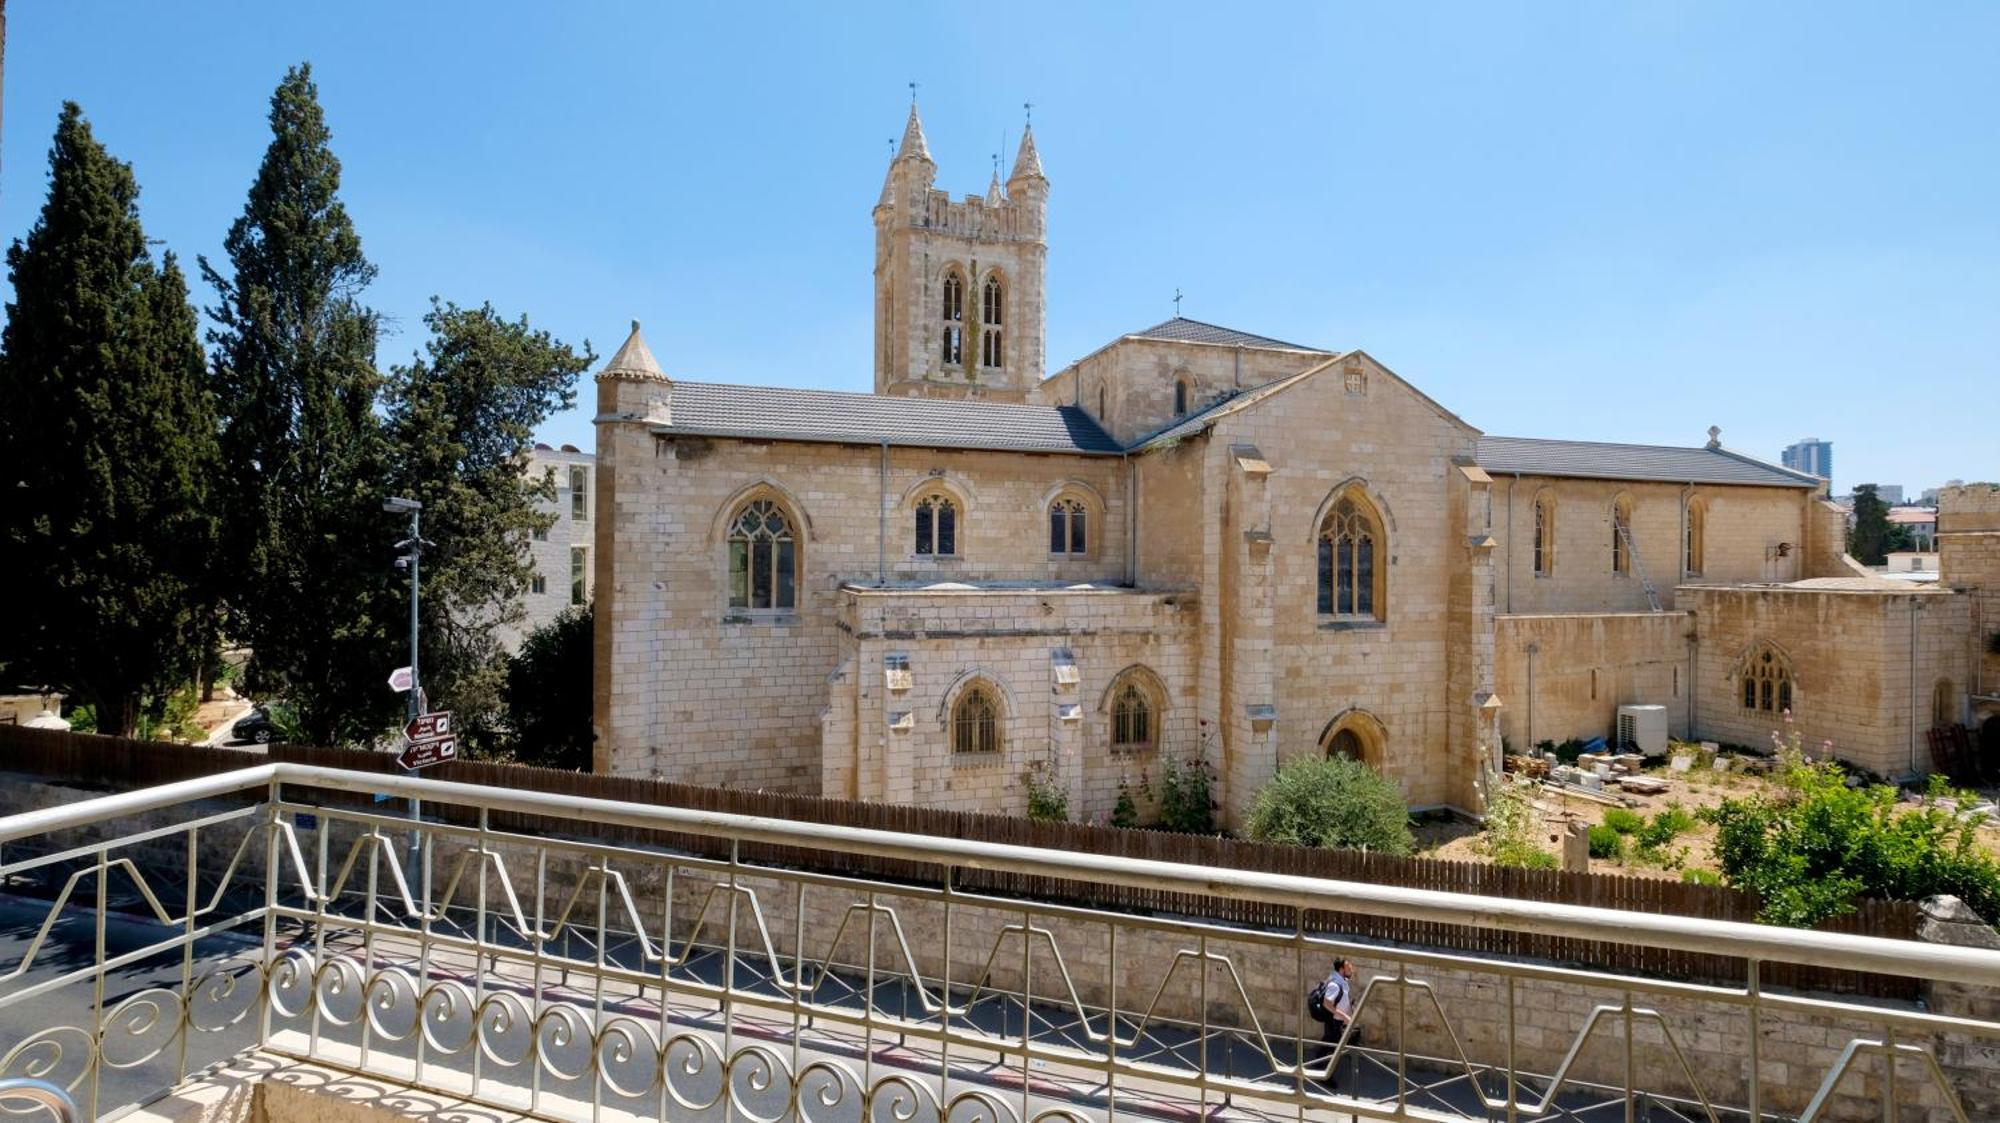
(1767,683)
(1350,579)
(579,493)
(975,722)
(1545,536)
(763,558)
(937,526)
(1132,720)
(954,320)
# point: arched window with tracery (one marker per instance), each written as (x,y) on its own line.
(1697,534)
(1767,682)
(1069,527)
(763,558)
(954,319)
(1350,549)
(975,721)
(1134,725)
(1545,535)
(937,526)
(991,308)
(1621,535)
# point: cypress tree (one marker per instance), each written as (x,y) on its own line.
(107,448)
(1868,541)
(311,551)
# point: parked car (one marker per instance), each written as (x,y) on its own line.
(258,726)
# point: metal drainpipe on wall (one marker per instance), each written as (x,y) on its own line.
(1914,606)
(1681,547)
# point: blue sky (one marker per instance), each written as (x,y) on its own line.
(1580,220)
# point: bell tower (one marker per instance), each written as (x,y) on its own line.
(959,285)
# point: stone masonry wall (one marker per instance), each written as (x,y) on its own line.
(1744,527)
(1583,667)
(1969,558)
(1128,386)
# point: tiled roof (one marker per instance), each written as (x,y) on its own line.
(1185,330)
(1597,460)
(779,413)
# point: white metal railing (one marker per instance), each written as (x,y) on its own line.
(36,1095)
(158,931)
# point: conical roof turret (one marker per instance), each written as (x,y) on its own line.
(993,196)
(914,146)
(633,360)
(1027,162)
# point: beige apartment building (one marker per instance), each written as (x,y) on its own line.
(563,573)
(1199,540)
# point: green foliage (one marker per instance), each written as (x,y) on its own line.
(1811,849)
(547,694)
(107,448)
(82,718)
(1701,877)
(1187,795)
(1331,802)
(1666,826)
(1047,802)
(1870,539)
(1606,843)
(460,420)
(1511,827)
(312,590)
(1124,813)
(1623,820)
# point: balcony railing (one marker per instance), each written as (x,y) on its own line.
(491,950)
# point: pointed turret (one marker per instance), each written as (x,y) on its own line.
(993,196)
(914,146)
(1027,162)
(634,359)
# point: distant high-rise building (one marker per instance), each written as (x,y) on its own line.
(1930,494)
(1811,455)
(1892,494)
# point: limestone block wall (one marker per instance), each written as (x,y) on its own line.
(1027,644)
(1969,558)
(1129,384)
(1743,529)
(1565,675)
(1864,664)
(1397,448)
(689,688)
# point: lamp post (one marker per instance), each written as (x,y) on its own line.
(414,544)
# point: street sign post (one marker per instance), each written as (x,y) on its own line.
(431,741)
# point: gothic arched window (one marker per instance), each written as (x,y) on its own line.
(991,304)
(1767,682)
(1132,719)
(1067,527)
(1621,534)
(989,348)
(763,558)
(954,319)
(1697,533)
(975,721)
(1545,535)
(1350,548)
(937,525)
(1180,397)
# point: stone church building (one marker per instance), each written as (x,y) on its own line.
(1199,540)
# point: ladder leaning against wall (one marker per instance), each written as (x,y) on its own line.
(1632,553)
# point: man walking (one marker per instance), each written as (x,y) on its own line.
(1332,1005)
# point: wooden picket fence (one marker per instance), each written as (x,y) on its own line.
(119,764)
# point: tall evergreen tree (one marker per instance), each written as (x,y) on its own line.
(1868,541)
(461,418)
(107,448)
(311,550)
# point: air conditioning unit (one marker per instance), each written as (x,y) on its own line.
(1642,729)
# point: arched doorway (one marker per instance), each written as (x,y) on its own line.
(1355,734)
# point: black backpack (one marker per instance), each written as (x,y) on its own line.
(1316,1002)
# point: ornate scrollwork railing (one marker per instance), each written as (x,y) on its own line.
(570,978)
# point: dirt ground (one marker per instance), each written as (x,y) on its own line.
(1692,791)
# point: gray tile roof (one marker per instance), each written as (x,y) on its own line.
(1597,460)
(831,416)
(1185,330)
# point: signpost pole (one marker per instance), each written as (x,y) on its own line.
(413,559)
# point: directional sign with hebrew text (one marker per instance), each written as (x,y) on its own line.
(431,741)
(426,727)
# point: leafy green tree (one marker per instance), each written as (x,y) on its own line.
(107,447)
(1869,540)
(461,418)
(548,693)
(312,586)
(1332,802)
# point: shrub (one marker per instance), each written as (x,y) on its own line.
(1623,821)
(1047,802)
(1606,843)
(1666,826)
(1701,877)
(1810,849)
(1187,792)
(1332,802)
(1511,826)
(1125,813)
(547,694)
